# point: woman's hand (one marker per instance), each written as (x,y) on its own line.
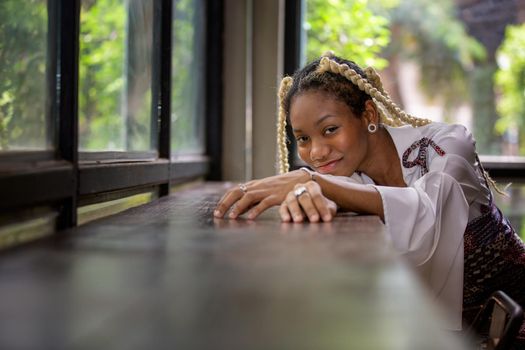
(258,195)
(307,200)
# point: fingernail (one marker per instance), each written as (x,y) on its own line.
(286,218)
(217,213)
(232,215)
(297,218)
(327,217)
(314,218)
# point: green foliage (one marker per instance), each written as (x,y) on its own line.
(510,81)
(115,75)
(101,70)
(428,32)
(349,28)
(23,41)
(373,32)
(187,77)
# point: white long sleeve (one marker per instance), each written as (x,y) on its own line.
(426,221)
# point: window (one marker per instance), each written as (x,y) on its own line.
(115,78)
(24,123)
(87,84)
(188,98)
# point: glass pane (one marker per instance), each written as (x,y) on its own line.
(23,51)
(188,95)
(454,61)
(115,75)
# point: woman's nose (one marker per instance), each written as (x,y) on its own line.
(319,151)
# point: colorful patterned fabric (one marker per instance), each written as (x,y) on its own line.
(494,255)
(494,260)
(421,158)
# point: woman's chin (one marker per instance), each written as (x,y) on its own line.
(336,172)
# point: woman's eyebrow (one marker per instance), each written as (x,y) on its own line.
(322,119)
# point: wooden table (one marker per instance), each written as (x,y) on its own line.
(169,276)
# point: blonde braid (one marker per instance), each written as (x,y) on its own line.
(375,79)
(397,115)
(373,86)
(494,185)
(490,181)
(284,167)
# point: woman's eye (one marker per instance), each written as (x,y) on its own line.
(330,130)
(301,139)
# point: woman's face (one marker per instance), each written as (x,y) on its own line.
(330,138)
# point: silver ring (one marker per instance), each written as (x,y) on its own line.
(299,191)
(243,188)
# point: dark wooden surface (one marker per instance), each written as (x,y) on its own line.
(169,276)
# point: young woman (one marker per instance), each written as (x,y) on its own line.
(423,179)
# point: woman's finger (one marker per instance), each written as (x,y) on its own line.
(327,208)
(227,201)
(293,206)
(262,206)
(305,200)
(276,187)
(322,204)
(246,202)
(332,206)
(284,212)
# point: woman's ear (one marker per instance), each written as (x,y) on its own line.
(371,114)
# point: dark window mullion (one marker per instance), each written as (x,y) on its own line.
(213,86)
(292,56)
(30,188)
(53,28)
(68,25)
(504,167)
(292,35)
(161,84)
(165,50)
(99,178)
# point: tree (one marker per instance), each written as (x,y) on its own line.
(429,33)
(23,39)
(349,28)
(510,82)
(101,79)
(187,97)
(424,31)
(115,74)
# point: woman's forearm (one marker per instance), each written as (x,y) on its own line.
(353,197)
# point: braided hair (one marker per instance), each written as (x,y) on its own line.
(349,83)
(346,81)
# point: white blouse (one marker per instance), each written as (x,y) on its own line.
(426,220)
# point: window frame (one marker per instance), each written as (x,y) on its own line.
(65,177)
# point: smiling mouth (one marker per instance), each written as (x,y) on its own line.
(327,167)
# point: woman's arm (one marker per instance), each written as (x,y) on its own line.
(262,194)
(348,196)
(319,199)
(258,195)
